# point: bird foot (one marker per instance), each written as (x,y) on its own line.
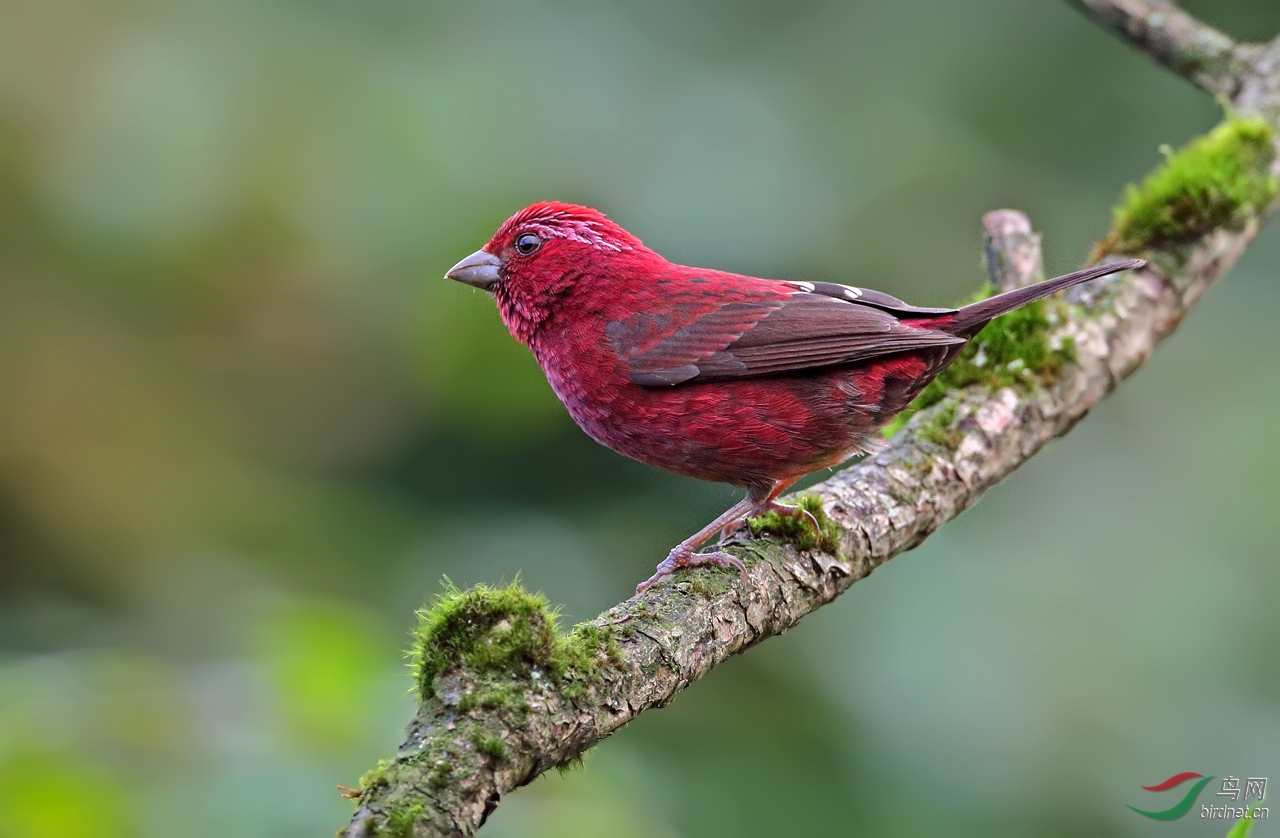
(683,557)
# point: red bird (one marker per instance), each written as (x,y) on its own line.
(754,382)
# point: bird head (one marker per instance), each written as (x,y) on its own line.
(541,254)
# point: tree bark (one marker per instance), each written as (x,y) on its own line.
(463,753)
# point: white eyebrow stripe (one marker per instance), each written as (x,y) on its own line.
(583,232)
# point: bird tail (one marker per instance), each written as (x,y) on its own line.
(969,319)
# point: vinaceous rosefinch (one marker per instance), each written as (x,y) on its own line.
(754,382)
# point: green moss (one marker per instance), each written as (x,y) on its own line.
(1217,180)
(376,776)
(571,764)
(500,696)
(799,528)
(499,630)
(440,773)
(588,648)
(1013,349)
(506,633)
(939,430)
(586,652)
(488,744)
(400,821)
(710,586)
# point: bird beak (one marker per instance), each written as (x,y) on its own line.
(480,269)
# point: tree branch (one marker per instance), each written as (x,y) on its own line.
(484,729)
(1174,38)
(1012,250)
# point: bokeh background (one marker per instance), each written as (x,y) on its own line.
(245,426)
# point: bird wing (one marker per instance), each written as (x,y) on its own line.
(810,328)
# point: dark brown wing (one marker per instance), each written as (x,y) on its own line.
(807,330)
(868,297)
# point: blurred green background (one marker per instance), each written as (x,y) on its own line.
(245,426)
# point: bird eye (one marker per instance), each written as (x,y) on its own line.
(527,243)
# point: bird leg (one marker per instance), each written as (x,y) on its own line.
(770,504)
(686,552)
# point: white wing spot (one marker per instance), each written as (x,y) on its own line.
(853,293)
(805,286)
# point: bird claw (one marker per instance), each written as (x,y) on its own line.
(688,558)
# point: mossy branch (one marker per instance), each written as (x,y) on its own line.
(505,694)
(1219,181)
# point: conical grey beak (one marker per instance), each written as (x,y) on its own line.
(479,269)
